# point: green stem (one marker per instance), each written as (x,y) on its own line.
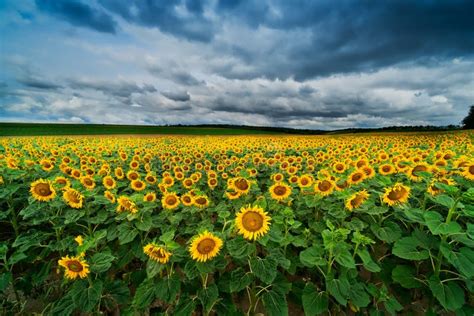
(15,222)
(444,238)
(329,262)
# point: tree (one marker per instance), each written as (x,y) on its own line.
(468,122)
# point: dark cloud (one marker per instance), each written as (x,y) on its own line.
(121,89)
(179,96)
(341,37)
(38,83)
(165,15)
(79,14)
(175,74)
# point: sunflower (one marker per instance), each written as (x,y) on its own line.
(212,183)
(397,194)
(132,175)
(73,198)
(280,191)
(119,173)
(46,165)
(356,177)
(387,169)
(62,182)
(187,199)
(433,190)
(324,187)
(88,182)
(201,201)
(75,267)
(278,177)
(109,182)
(138,185)
(356,200)
(205,246)
(150,178)
(157,253)
(79,240)
(232,195)
(42,190)
(413,173)
(109,196)
(76,173)
(149,197)
(339,167)
(170,201)
(167,181)
(241,185)
(252,222)
(468,171)
(126,205)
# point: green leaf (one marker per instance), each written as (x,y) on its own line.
(344,258)
(437,225)
(64,307)
(145,294)
(275,303)
(405,276)
(208,297)
(339,289)
(239,248)
(86,297)
(153,268)
(392,305)
(389,233)
(126,233)
(264,269)
(5,279)
(407,248)
(367,261)
(240,280)
(185,307)
(313,256)
(168,288)
(358,295)
(449,294)
(101,262)
(444,200)
(314,301)
(463,260)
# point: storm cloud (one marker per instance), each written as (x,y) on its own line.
(303,64)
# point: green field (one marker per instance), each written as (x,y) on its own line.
(36,129)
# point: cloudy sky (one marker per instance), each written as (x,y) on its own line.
(303,64)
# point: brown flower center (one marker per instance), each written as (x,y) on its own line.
(43,189)
(252,221)
(396,194)
(201,201)
(205,246)
(171,200)
(242,184)
(324,185)
(279,190)
(74,266)
(419,169)
(356,177)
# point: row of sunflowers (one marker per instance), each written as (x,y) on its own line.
(232,225)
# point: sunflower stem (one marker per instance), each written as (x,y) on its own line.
(444,238)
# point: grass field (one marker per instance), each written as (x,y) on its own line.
(37,129)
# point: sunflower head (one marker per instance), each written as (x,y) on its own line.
(398,194)
(42,190)
(138,185)
(74,267)
(125,204)
(324,187)
(201,201)
(280,191)
(241,185)
(205,246)
(252,222)
(73,198)
(157,253)
(170,201)
(108,182)
(356,200)
(149,197)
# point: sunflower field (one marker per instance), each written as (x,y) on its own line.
(374,224)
